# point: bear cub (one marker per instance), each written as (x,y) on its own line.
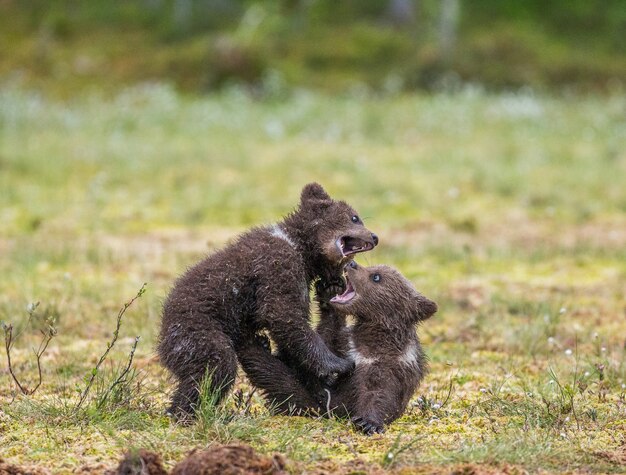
(261,281)
(383,343)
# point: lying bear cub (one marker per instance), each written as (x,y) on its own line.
(259,282)
(388,357)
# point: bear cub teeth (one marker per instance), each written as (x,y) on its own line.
(350,245)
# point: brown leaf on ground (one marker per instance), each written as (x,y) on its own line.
(232,459)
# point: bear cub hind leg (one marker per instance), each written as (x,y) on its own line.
(208,354)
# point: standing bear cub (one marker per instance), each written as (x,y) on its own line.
(388,357)
(259,282)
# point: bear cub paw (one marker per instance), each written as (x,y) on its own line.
(263,341)
(336,368)
(367,426)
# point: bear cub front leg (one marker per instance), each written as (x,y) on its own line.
(295,338)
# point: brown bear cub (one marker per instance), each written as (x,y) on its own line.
(259,282)
(388,357)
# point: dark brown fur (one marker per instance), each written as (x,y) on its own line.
(260,281)
(383,342)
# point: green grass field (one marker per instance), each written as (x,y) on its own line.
(508,210)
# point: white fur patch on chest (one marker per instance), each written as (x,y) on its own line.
(358,357)
(276,231)
(410,357)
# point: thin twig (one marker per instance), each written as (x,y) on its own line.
(450,387)
(110,345)
(30,309)
(8,343)
(122,376)
(8,340)
(573,393)
(39,353)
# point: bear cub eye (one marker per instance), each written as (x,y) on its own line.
(376,278)
(356,219)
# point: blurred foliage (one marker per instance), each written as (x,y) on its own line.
(379,44)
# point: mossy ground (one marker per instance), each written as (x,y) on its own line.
(508,210)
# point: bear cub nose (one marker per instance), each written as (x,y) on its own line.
(375,238)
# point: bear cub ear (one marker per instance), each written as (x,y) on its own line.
(426,308)
(313,192)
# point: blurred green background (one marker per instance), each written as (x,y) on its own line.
(383,45)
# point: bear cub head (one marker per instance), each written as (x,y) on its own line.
(332,226)
(378,292)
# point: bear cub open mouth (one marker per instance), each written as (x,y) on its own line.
(348,294)
(349,245)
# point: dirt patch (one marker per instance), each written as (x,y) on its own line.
(11,469)
(617,456)
(353,467)
(140,462)
(469,295)
(361,467)
(94,469)
(154,245)
(513,232)
(234,459)
(473,469)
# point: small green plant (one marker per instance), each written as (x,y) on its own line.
(398,447)
(208,412)
(122,379)
(438,401)
(219,422)
(125,384)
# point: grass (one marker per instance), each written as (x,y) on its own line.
(508,210)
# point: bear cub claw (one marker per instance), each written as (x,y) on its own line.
(263,341)
(368,427)
(330,380)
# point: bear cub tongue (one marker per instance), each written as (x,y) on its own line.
(347,295)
